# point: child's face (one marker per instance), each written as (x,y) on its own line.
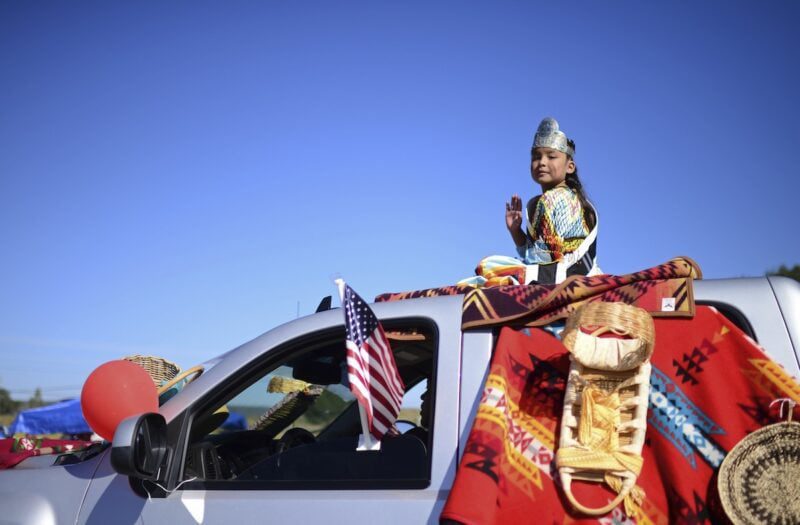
(550,167)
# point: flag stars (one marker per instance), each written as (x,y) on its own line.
(361,322)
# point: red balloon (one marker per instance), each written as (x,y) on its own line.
(114,391)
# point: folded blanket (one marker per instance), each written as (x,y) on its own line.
(664,291)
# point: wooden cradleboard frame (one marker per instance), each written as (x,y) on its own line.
(604,419)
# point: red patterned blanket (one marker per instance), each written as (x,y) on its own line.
(711,385)
(664,291)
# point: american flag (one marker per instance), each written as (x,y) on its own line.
(371,369)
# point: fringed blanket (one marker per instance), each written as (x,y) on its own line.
(664,291)
(711,385)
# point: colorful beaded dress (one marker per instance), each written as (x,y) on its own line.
(557,227)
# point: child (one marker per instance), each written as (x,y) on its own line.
(559,238)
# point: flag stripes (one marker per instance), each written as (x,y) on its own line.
(371,368)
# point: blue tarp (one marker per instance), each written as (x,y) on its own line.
(64,417)
(235,421)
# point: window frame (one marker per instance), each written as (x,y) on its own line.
(255,369)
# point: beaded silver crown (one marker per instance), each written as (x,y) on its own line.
(549,136)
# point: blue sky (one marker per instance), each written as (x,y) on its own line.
(175,178)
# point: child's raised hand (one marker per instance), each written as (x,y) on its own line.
(514,213)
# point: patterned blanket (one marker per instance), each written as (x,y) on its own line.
(14,450)
(710,386)
(664,291)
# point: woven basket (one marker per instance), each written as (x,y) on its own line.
(759,480)
(619,318)
(160,369)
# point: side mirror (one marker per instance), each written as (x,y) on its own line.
(140,445)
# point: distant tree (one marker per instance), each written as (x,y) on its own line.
(7,405)
(36,401)
(793,272)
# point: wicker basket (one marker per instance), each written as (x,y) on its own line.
(758,480)
(160,369)
(620,318)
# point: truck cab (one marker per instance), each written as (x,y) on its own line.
(298,460)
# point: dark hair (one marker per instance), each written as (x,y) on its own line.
(574,183)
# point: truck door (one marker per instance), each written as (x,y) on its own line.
(296,456)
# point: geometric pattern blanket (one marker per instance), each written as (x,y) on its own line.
(711,385)
(664,291)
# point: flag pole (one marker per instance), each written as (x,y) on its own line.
(366,442)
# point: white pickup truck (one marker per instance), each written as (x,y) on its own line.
(299,463)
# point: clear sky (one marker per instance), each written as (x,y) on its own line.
(176,178)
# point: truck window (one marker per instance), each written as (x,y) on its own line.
(299,423)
